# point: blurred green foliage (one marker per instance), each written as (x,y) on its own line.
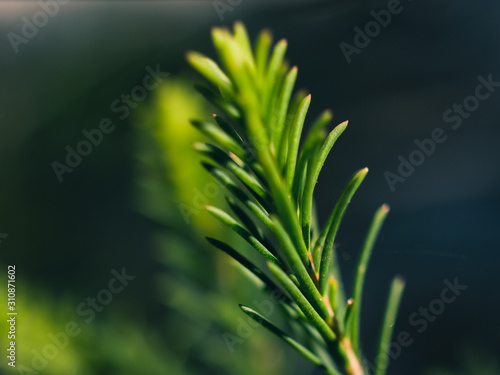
(190,340)
(199,285)
(108,345)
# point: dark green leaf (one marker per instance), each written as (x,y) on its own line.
(218,101)
(338,214)
(245,234)
(290,341)
(315,319)
(294,141)
(312,177)
(270,284)
(371,237)
(391,311)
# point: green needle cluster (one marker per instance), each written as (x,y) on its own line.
(270,169)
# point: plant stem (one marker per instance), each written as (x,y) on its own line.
(353,366)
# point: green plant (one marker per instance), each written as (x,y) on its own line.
(166,172)
(259,157)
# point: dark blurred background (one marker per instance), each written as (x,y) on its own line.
(66,237)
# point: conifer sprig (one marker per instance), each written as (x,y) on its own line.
(270,170)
